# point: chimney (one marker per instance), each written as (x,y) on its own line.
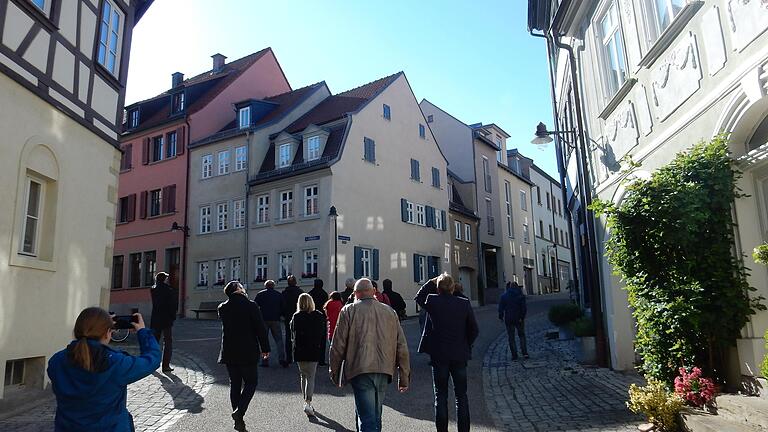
(218,62)
(176,79)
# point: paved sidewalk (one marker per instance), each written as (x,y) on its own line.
(156,402)
(551,391)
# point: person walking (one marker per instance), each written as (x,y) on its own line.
(308,335)
(290,296)
(458,291)
(395,299)
(90,379)
(349,284)
(243,338)
(270,303)
(368,350)
(165,305)
(332,310)
(431,286)
(512,310)
(319,296)
(379,295)
(448,341)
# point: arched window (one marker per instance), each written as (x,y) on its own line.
(760,136)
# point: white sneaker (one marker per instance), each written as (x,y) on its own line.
(308,410)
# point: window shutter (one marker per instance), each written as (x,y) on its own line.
(171,198)
(431,266)
(418,176)
(430,216)
(180,141)
(442,216)
(131,216)
(375,264)
(358,262)
(413,169)
(164,200)
(143,205)
(404,209)
(145,152)
(129,156)
(416,270)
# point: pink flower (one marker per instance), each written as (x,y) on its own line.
(694,389)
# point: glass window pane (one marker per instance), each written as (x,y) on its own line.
(107,11)
(33,206)
(115,21)
(29,235)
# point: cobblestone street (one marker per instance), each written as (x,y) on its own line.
(551,391)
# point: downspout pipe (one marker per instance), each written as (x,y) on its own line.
(183,300)
(245,263)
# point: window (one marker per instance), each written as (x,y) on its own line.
(43,5)
(170,149)
(222,216)
(205,219)
(457,230)
(435,177)
(468,233)
(285,156)
(202,274)
(549,207)
(369,150)
(422,131)
(487,174)
(613,64)
(238,206)
(150,267)
(489,216)
(541,229)
(221,272)
(659,15)
(313,148)
(415,174)
(155,202)
(127,209)
(14,373)
(241,158)
(538,195)
(260,274)
(207,166)
(223,162)
(244,117)
(134,272)
(126,158)
(387,112)
(430,118)
(234,269)
(117,272)
(526,233)
(310,201)
(178,103)
(286,205)
(133,118)
(310,264)
(286,264)
(110,37)
(551,237)
(420,271)
(439,219)
(409,211)
(508,207)
(523,201)
(157,149)
(420,218)
(262,209)
(365,262)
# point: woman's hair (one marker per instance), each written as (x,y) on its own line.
(161,277)
(92,323)
(387,285)
(305,303)
(231,287)
(334,296)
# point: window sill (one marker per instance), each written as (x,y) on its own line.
(284,221)
(159,161)
(310,217)
(617,98)
(373,162)
(129,288)
(261,225)
(102,71)
(668,36)
(21,260)
(160,216)
(125,170)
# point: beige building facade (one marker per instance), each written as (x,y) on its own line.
(463,225)
(518,251)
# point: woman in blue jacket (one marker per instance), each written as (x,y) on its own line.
(90,379)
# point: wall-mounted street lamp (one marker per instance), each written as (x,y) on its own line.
(334,215)
(543,137)
(177,227)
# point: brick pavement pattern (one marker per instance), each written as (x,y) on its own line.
(156,402)
(551,391)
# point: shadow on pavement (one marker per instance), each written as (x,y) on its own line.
(326,422)
(184,397)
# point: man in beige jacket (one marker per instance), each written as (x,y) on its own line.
(367,350)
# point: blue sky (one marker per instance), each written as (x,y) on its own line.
(476,59)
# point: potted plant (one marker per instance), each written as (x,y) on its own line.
(584,330)
(561,315)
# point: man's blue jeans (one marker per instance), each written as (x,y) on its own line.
(457,370)
(369,391)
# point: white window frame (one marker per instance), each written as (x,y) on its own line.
(261,268)
(457,230)
(262,209)
(421,217)
(45,8)
(523,201)
(238,208)
(365,263)
(285,264)
(202,273)
(133,118)
(223,159)
(651,17)
(310,263)
(110,46)
(154,151)
(286,205)
(526,233)
(409,211)
(221,271)
(206,166)
(284,155)
(311,194)
(313,148)
(151,206)
(438,220)
(222,216)
(468,233)
(508,205)
(614,38)
(244,117)
(422,268)
(235,270)
(205,219)
(486,174)
(241,158)
(36,219)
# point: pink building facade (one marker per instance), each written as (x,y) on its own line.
(154,177)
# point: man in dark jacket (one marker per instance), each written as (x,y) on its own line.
(271,303)
(290,297)
(346,295)
(319,296)
(165,304)
(448,336)
(395,299)
(512,310)
(243,337)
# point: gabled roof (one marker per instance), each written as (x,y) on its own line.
(198,92)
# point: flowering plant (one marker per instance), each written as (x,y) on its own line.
(695,389)
(656,403)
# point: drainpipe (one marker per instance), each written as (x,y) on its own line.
(556,271)
(183,294)
(246,258)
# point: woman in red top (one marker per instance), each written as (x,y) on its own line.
(332,310)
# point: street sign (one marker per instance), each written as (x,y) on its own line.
(311,238)
(345,238)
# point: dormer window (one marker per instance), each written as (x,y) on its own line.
(313,148)
(178,103)
(284,155)
(133,118)
(244,116)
